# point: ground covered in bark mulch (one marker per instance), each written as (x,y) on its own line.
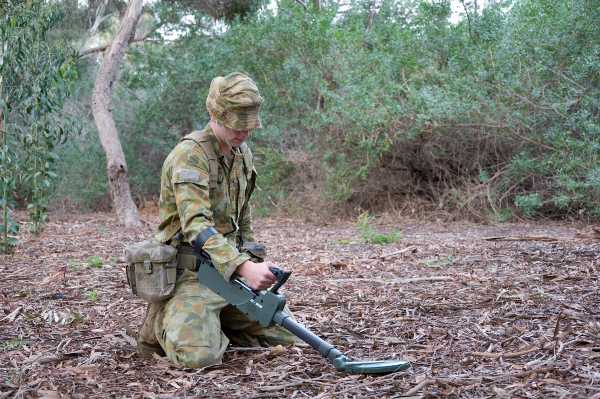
(480,311)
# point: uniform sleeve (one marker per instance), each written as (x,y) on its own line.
(190,186)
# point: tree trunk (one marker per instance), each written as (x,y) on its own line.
(372,14)
(4,247)
(1,122)
(123,204)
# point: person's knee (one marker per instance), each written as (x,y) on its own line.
(197,356)
(196,349)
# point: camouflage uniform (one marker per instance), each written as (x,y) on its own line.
(194,326)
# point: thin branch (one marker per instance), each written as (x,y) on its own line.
(391,281)
(420,386)
(412,248)
(302,4)
(505,355)
(468,18)
(99,18)
(99,49)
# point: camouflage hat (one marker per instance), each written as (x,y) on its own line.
(234,101)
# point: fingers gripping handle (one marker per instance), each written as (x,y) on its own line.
(282,277)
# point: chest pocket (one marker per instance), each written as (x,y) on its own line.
(225,221)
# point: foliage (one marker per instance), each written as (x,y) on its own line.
(370,235)
(529,204)
(497,114)
(73,265)
(228,10)
(13,344)
(558,108)
(92,295)
(275,172)
(34,82)
(95,262)
(83,187)
(439,262)
(10,228)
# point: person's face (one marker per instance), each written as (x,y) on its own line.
(230,136)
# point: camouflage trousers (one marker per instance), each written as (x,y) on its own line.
(195,326)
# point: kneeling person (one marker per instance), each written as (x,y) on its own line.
(206,184)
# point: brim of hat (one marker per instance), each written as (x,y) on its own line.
(242,120)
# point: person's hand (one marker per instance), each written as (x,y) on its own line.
(258,275)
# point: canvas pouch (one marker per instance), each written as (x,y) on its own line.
(151,270)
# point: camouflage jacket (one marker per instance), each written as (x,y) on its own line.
(190,202)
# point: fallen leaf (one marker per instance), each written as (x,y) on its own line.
(276,351)
(47,394)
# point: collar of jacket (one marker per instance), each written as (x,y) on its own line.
(214,141)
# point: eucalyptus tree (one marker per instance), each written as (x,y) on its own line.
(34,81)
(101,100)
(101,103)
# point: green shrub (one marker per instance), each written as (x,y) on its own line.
(35,77)
(528,204)
(82,170)
(10,228)
(92,295)
(273,181)
(503,215)
(499,110)
(95,262)
(370,235)
(12,344)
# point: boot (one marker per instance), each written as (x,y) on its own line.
(147,344)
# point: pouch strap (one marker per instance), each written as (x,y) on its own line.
(205,141)
(250,173)
(186,259)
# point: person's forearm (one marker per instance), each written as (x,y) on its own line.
(196,217)
(225,257)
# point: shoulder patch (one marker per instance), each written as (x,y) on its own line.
(190,176)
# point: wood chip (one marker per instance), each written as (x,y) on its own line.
(497,321)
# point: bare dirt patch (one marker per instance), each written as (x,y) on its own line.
(516,316)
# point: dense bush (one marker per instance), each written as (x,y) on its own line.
(34,81)
(495,115)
